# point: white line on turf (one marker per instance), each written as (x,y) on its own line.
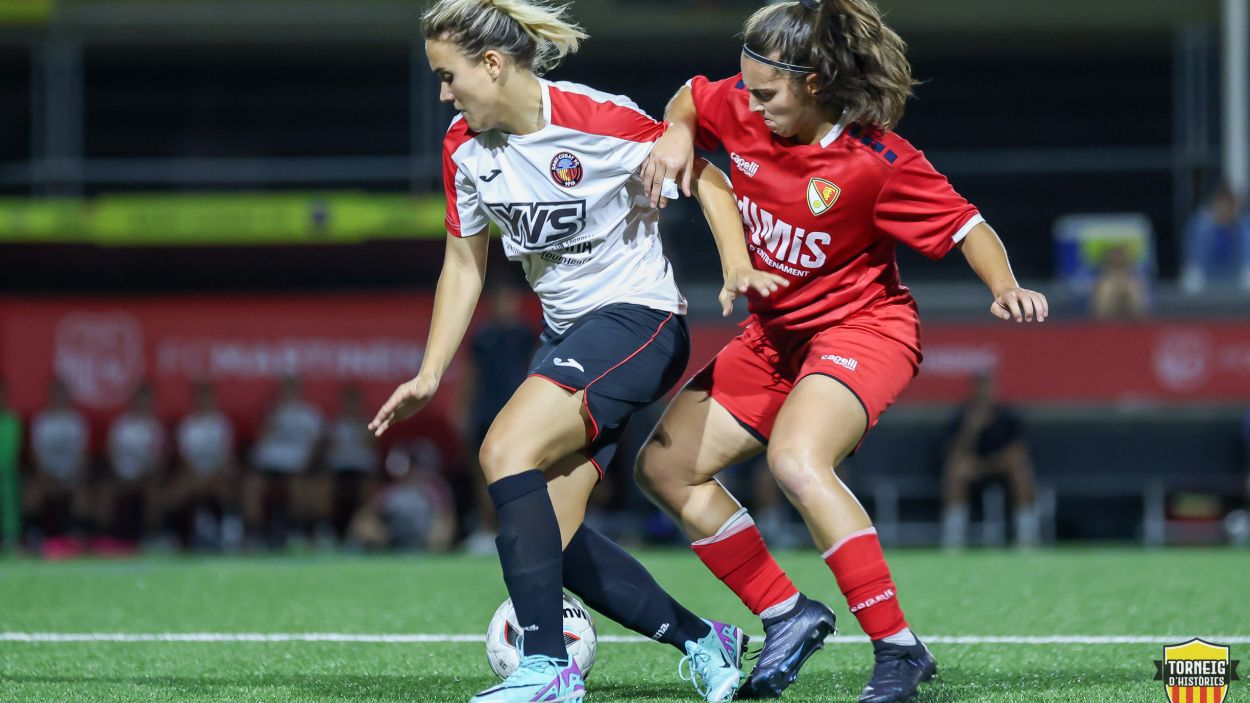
(612,639)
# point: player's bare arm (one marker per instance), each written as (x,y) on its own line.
(672,157)
(459,286)
(987,257)
(715,195)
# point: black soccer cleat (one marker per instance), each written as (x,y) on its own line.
(899,671)
(788,641)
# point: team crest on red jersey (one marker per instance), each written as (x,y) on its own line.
(566,169)
(821,195)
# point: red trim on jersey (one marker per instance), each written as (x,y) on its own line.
(457,134)
(585,114)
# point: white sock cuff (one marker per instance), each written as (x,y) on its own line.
(781,608)
(848,538)
(736,523)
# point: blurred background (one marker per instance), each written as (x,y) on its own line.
(221,222)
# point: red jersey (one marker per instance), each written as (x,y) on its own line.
(827,216)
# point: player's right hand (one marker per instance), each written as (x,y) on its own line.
(740,281)
(407,399)
(672,156)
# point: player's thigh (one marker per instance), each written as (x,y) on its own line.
(570,482)
(820,423)
(694,440)
(539,425)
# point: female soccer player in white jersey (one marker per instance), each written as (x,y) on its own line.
(826,191)
(555,167)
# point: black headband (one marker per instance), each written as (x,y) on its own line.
(810,4)
(781,65)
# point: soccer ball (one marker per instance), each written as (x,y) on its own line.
(503,631)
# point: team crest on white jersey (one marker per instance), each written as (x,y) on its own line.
(566,169)
(821,195)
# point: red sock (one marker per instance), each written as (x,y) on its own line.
(742,561)
(859,566)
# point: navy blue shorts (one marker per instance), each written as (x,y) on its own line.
(625,357)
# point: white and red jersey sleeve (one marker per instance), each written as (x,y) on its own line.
(919,207)
(712,108)
(630,131)
(465,216)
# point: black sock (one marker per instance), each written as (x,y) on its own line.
(608,579)
(529,552)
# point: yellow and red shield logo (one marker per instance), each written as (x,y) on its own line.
(1196,672)
(821,195)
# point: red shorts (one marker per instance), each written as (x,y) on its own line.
(875,354)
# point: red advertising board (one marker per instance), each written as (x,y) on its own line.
(104,347)
(1075,363)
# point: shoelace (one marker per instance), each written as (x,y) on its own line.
(536,662)
(697,663)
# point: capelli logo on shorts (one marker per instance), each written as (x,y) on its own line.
(845,362)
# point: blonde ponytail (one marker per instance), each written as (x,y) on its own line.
(535,34)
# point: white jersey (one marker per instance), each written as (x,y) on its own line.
(206,442)
(135,444)
(568,201)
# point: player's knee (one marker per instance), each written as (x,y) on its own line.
(795,470)
(500,457)
(657,478)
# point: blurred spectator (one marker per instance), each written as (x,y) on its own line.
(284,453)
(201,501)
(501,350)
(1216,243)
(1120,289)
(987,441)
(56,499)
(415,510)
(10,482)
(351,458)
(128,492)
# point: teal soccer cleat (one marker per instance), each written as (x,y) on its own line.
(715,662)
(538,679)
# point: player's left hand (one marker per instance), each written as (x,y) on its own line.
(1020,304)
(740,281)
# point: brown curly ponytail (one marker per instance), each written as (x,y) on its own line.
(860,63)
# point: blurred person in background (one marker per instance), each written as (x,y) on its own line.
(987,441)
(500,349)
(1216,243)
(128,492)
(10,478)
(276,496)
(202,498)
(827,192)
(414,510)
(1120,291)
(57,498)
(351,459)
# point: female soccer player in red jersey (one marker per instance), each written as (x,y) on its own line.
(826,191)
